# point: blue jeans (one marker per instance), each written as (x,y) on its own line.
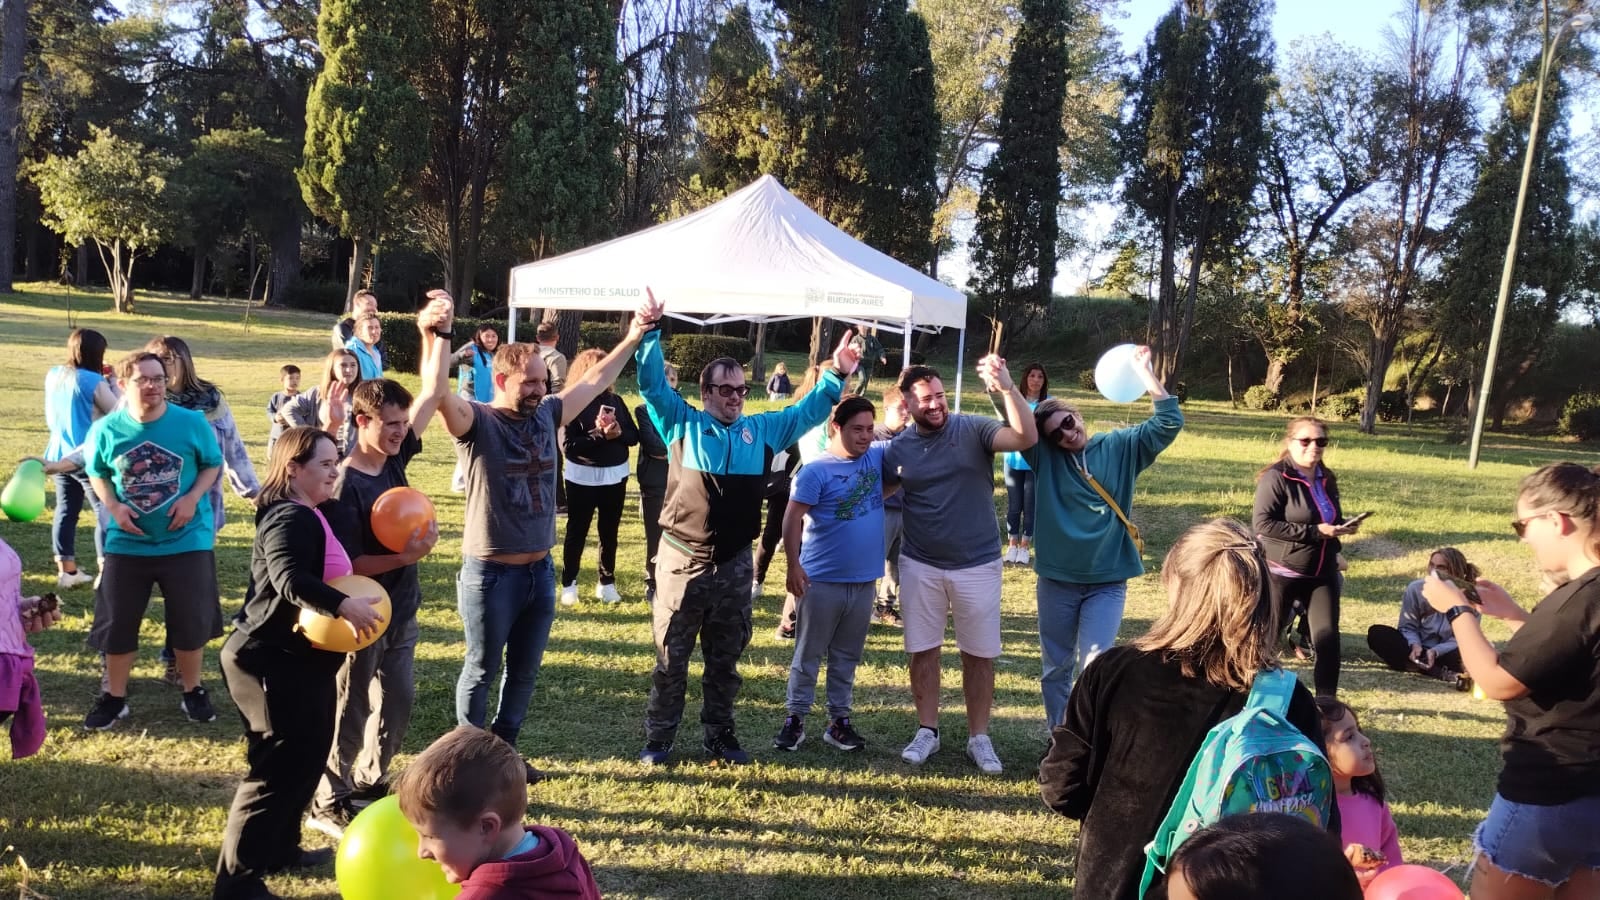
(505,609)
(1547,844)
(1076,623)
(1020,485)
(71,489)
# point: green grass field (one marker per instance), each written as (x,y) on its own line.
(138,811)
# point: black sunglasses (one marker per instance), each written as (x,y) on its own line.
(729,390)
(1520,526)
(1306,442)
(1067,423)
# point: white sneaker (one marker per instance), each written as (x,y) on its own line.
(607,593)
(924,745)
(1024,557)
(981,749)
(755,591)
(72,579)
(569,595)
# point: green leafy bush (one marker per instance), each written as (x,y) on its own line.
(691,352)
(1261,397)
(1580,417)
(317,296)
(1086,379)
(402,345)
(891,366)
(1392,406)
(600,335)
(1341,407)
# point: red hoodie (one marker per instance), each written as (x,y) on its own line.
(554,869)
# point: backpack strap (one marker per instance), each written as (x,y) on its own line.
(1272,690)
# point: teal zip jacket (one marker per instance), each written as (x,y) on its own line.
(1078,538)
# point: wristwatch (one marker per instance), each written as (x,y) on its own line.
(1455,612)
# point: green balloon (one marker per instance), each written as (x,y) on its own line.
(32,470)
(378,859)
(22,500)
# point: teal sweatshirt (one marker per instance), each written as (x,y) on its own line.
(1077,537)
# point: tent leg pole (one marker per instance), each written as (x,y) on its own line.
(511,325)
(905,354)
(961,362)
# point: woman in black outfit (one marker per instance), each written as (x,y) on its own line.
(595,444)
(652,474)
(284,687)
(1297,517)
(1137,716)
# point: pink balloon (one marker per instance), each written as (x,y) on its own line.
(1412,883)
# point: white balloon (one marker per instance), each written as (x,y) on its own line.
(1115,375)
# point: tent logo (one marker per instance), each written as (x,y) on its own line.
(815,297)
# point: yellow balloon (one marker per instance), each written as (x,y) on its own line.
(378,860)
(334,633)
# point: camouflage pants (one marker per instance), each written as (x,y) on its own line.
(708,601)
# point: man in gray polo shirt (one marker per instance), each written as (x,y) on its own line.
(950,546)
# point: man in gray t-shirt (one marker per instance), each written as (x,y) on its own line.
(950,546)
(507,588)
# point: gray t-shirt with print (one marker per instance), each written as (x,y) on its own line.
(510,464)
(947,490)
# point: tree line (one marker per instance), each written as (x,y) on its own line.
(1277,202)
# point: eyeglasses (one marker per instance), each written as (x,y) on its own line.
(1520,526)
(1067,423)
(1306,442)
(149,379)
(729,390)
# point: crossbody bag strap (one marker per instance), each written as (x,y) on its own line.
(1133,530)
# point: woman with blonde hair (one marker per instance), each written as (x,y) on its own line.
(1138,715)
(1538,841)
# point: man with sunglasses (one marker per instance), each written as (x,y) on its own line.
(950,546)
(716,472)
(1086,551)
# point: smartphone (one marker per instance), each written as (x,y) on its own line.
(607,411)
(1357,519)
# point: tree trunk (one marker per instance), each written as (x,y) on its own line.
(1190,301)
(119,275)
(1277,367)
(358,269)
(758,365)
(567,322)
(1382,346)
(82,265)
(285,272)
(197,278)
(821,330)
(14,28)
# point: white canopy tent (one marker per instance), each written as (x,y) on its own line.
(757,255)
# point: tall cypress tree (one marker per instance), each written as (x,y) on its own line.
(1014,240)
(1546,260)
(900,191)
(364,120)
(736,115)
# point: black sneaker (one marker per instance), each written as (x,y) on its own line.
(886,614)
(656,753)
(197,706)
(534,774)
(791,735)
(105,712)
(841,735)
(725,746)
(1461,681)
(332,822)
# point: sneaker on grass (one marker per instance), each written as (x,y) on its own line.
(924,745)
(569,595)
(725,747)
(197,706)
(105,712)
(607,593)
(332,822)
(656,753)
(981,749)
(66,581)
(841,735)
(792,734)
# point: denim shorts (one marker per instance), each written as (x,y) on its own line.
(1544,843)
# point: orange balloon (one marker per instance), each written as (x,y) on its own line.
(399,512)
(1412,883)
(333,633)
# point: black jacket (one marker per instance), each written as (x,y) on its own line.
(286,576)
(580,445)
(652,467)
(1133,725)
(1286,519)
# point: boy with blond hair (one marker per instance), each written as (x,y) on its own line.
(466,795)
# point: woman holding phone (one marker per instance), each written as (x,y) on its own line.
(1299,521)
(595,444)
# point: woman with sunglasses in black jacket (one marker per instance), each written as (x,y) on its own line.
(1299,521)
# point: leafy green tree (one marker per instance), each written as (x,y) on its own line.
(900,192)
(736,118)
(13,46)
(231,181)
(112,192)
(364,120)
(1547,251)
(1014,240)
(1193,144)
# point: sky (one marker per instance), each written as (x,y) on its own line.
(1358,23)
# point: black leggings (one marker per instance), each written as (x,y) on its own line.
(1319,597)
(585,503)
(771,534)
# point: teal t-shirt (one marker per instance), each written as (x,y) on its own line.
(152,464)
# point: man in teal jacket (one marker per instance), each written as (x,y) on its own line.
(716,469)
(1085,554)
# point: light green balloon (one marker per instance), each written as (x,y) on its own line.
(378,859)
(22,500)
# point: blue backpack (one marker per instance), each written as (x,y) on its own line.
(1253,762)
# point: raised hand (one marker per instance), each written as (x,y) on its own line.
(846,356)
(646,316)
(992,369)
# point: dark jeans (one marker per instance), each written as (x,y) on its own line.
(1020,484)
(71,490)
(286,701)
(1319,597)
(651,499)
(585,503)
(505,610)
(771,534)
(1392,647)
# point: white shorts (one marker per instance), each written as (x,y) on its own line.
(929,594)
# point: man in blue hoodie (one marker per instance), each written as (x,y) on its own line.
(716,470)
